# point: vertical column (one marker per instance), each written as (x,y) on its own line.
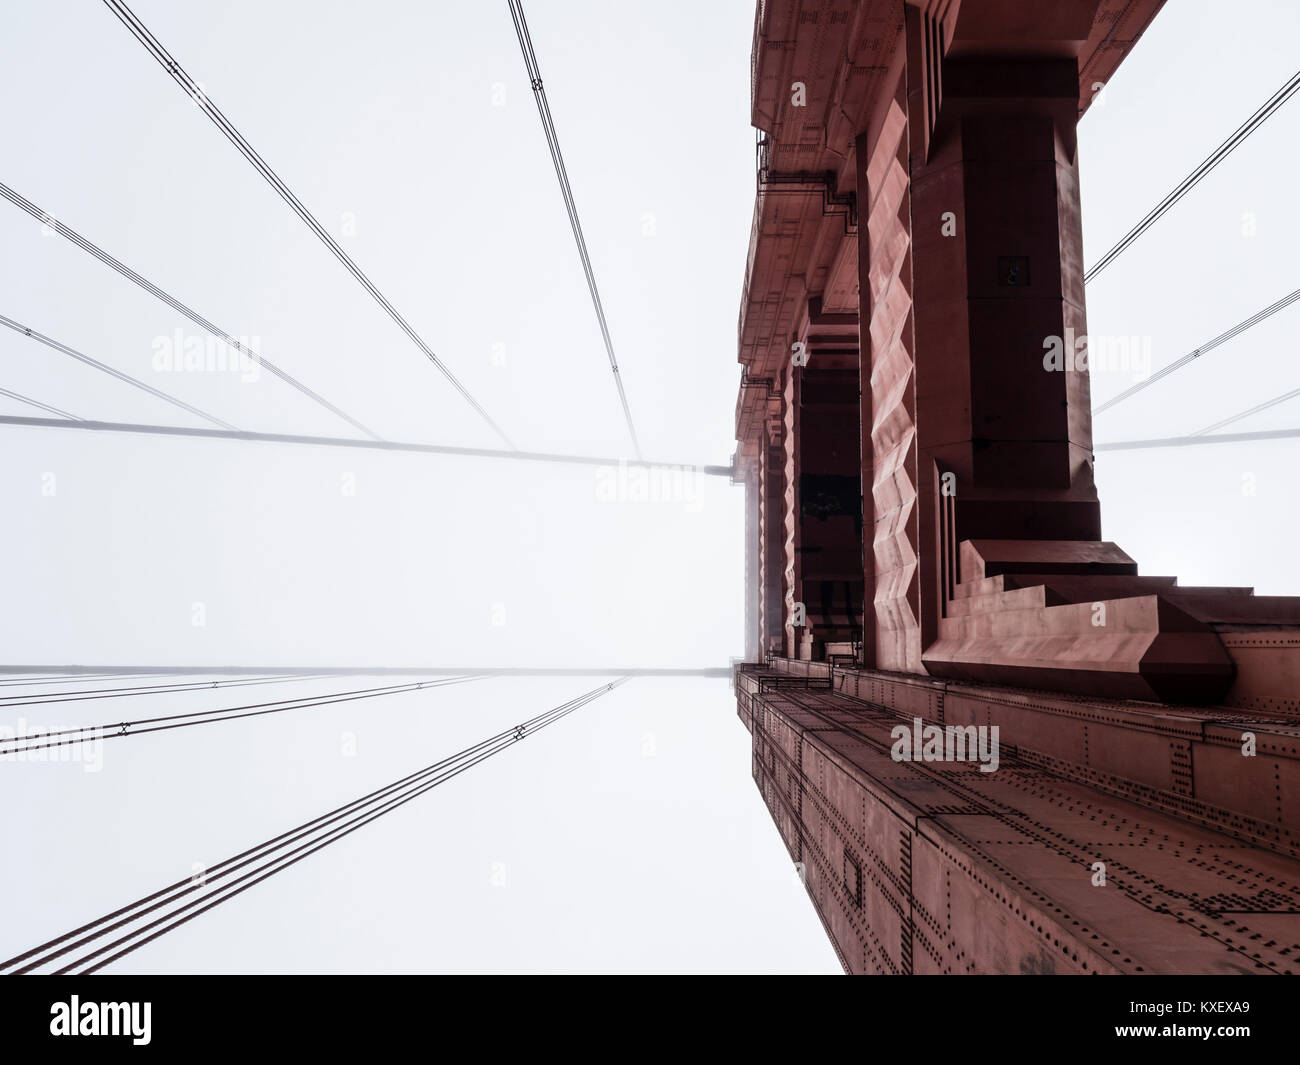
(997,261)
(791,582)
(771,462)
(749,470)
(888,373)
(969,263)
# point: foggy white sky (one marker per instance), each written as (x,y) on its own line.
(630,835)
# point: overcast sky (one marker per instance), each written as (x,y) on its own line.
(630,836)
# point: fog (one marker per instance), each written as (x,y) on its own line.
(628,836)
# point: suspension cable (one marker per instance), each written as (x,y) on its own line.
(78,734)
(41,406)
(1191,356)
(192,88)
(1186,441)
(46,219)
(1193,179)
(557,160)
(368,445)
(88,694)
(270,857)
(1268,403)
(134,382)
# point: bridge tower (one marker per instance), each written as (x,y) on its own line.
(913,301)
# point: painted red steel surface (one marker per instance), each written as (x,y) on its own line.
(937,867)
(916,241)
(917,226)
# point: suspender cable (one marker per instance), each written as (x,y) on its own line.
(41,338)
(1193,179)
(557,160)
(74,678)
(18,200)
(44,698)
(1191,356)
(155,48)
(40,406)
(268,858)
(43,740)
(1247,413)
